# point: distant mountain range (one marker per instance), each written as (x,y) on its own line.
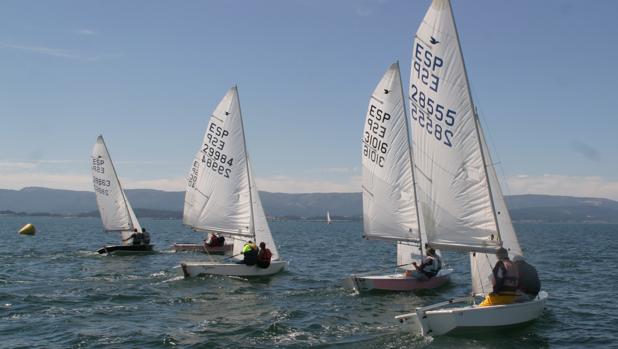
(164,204)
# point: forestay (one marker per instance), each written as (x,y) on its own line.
(116,212)
(217,194)
(389,210)
(452,184)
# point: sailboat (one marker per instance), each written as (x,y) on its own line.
(222,197)
(328,220)
(116,212)
(390,211)
(459,192)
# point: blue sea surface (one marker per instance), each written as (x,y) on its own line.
(56,292)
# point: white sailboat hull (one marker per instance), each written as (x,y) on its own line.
(395,282)
(439,319)
(192,269)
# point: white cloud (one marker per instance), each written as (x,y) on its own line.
(85,31)
(286,184)
(49,180)
(592,186)
(363,11)
(61,53)
(48,51)
(167,184)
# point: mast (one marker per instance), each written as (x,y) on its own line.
(418,217)
(252,226)
(124,198)
(476,125)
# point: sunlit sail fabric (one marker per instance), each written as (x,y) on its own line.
(261,228)
(217,195)
(389,210)
(481,264)
(452,185)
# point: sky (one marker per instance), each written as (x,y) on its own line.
(148,74)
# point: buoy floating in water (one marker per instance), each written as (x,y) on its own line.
(28,229)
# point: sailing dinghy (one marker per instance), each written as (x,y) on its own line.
(189,247)
(460,196)
(221,195)
(116,212)
(328,220)
(390,211)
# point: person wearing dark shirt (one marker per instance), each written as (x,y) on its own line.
(529,282)
(429,268)
(264,256)
(136,236)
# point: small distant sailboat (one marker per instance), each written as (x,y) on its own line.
(116,212)
(461,199)
(222,197)
(390,210)
(328,220)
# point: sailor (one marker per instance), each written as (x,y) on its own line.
(529,283)
(429,268)
(145,236)
(136,236)
(264,256)
(505,281)
(215,241)
(249,251)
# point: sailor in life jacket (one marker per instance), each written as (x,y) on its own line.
(505,279)
(429,268)
(250,251)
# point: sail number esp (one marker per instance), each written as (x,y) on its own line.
(437,119)
(212,154)
(374,146)
(101,185)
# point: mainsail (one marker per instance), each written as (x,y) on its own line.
(116,212)
(453,186)
(221,195)
(389,210)
(217,195)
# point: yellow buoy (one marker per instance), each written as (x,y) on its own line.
(27,229)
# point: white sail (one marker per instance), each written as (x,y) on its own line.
(328,220)
(389,210)
(481,264)
(116,212)
(217,195)
(261,228)
(452,184)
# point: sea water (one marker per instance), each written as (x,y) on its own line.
(56,292)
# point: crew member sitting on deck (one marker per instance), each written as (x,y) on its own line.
(136,236)
(250,252)
(145,236)
(505,280)
(429,268)
(215,241)
(529,283)
(264,256)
